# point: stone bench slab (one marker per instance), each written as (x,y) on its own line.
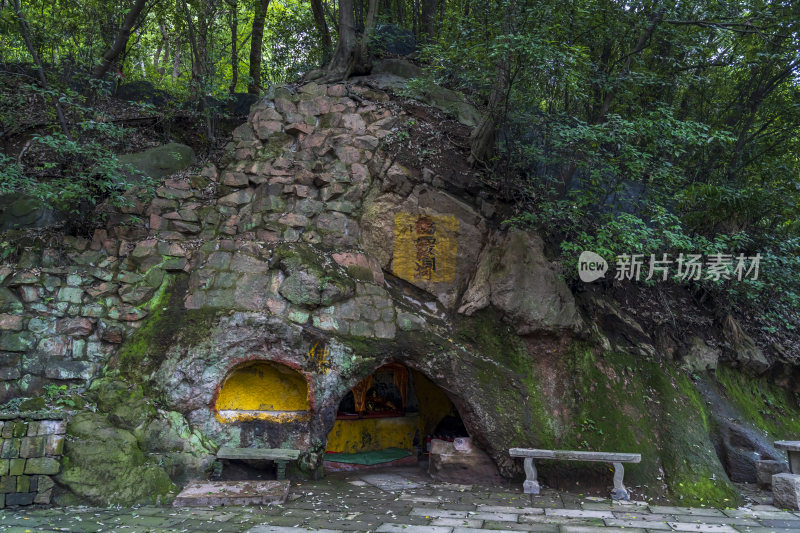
(531,484)
(792,448)
(279,455)
(258,454)
(788,445)
(576,455)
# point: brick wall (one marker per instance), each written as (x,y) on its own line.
(30,454)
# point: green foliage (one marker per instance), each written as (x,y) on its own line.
(60,396)
(618,115)
(76,174)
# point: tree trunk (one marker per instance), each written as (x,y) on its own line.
(256,42)
(157,56)
(428,26)
(120,41)
(369,29)
(233,21)
(347,45)
(322,26)
(351,57)
(484,137)
(165,37)
(26,36)
(196,64)
(176,63)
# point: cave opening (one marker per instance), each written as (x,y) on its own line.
(390,419)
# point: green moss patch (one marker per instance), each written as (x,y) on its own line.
(104,465)
(624,403)
(502,352)
(770,408)
(167,324)
(692,469)
(612,409)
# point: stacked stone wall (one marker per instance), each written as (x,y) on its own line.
(30,454)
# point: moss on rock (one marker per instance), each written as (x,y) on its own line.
(612,408)
(503,351)
(692,469)
(167,322)
(128,451)
(768,407)
(312,279)
(104,465)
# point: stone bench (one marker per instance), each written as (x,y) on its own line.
(786,487)
(278,455)
(792,448)
(531,484)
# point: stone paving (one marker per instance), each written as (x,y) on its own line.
(406,501)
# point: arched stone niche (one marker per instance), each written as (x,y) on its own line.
(263,390)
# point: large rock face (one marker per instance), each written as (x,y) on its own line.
(391,234)
(514,276)
(312,249)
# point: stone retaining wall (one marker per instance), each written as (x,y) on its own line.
(30,454)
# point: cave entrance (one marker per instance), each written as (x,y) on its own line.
(389,419)
(263,390)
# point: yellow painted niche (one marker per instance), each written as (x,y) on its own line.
(367,434)
(263,391)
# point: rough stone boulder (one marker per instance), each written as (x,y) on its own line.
(744,349)
(128,452)
(308,282)
(514,276)
(461,462)
(700,356)
(104,464)
(451,102)
(142,91)
(397,67)
(21,212)
(160,161)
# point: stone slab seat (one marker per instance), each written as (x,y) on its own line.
(792,448)
(531,484)
(279,456)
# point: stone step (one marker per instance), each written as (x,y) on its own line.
(204,493)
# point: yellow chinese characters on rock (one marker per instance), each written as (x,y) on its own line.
(318,358)
(425,247)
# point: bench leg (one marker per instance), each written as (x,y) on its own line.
(216,469)
(619,492)
(280,470)
(531,484)
(794,461)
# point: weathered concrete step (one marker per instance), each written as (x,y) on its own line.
(205,493)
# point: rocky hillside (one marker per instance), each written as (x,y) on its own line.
(341,231)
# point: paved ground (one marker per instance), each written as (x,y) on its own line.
(405,501)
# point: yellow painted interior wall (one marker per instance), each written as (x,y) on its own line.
(264,386)
(433,403)
(367,434)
